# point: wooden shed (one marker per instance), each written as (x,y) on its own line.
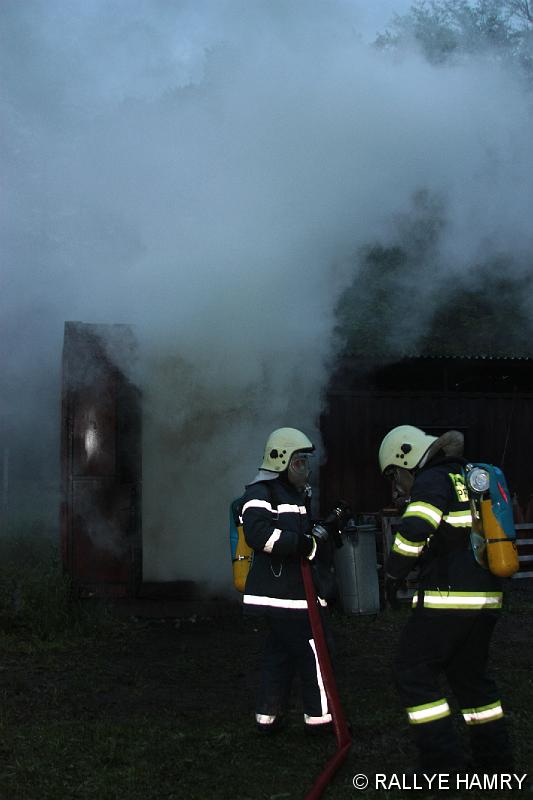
(489,399)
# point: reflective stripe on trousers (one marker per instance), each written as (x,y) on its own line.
(466,601)
(428,712)
(478,716)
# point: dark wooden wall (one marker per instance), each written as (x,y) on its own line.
(495,426)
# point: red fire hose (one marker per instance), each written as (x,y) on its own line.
(344,740)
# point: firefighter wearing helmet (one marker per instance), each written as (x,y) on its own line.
(277,526)
(455,609)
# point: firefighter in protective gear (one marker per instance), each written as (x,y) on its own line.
(278,528)
(455,609)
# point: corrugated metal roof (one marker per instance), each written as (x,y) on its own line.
(398,356)
(470,356)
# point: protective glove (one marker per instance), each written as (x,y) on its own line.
(339,516)
(306,545)
(320,532)
(392,585)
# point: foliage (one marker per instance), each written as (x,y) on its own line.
(377,314)
(405,300)
(35,596)
(484,314)
(448,28)
(387,313)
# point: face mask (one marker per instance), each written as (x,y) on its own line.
(402,483)
(298,470)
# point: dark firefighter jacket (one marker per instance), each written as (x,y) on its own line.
(435,532)
(275,519)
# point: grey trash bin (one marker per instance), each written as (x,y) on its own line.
(356,570)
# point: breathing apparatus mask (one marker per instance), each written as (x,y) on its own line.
(299,469)
(402,482)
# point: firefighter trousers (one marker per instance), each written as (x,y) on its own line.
(290,651)
(455,645)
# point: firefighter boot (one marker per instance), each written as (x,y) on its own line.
(491,750)
(318,730)
(269,725)
(438,748)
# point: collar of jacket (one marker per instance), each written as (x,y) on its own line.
(443,461)
(278,477)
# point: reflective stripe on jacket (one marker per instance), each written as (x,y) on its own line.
(275,518)
(435,534)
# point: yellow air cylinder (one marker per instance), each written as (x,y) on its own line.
(502,555)
(242,561)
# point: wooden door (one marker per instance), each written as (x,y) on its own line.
(101,461)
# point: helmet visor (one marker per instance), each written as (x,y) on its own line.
(391,473)
(401,484)
(299,469)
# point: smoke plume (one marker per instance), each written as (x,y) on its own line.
(209,172)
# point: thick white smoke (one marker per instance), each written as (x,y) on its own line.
(208,171)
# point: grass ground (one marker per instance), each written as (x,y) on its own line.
(92,706)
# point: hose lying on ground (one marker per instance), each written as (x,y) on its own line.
(340,726)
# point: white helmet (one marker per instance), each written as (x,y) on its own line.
(280,446)
(404,446)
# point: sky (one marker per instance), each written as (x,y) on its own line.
(208,172)
(374,17)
